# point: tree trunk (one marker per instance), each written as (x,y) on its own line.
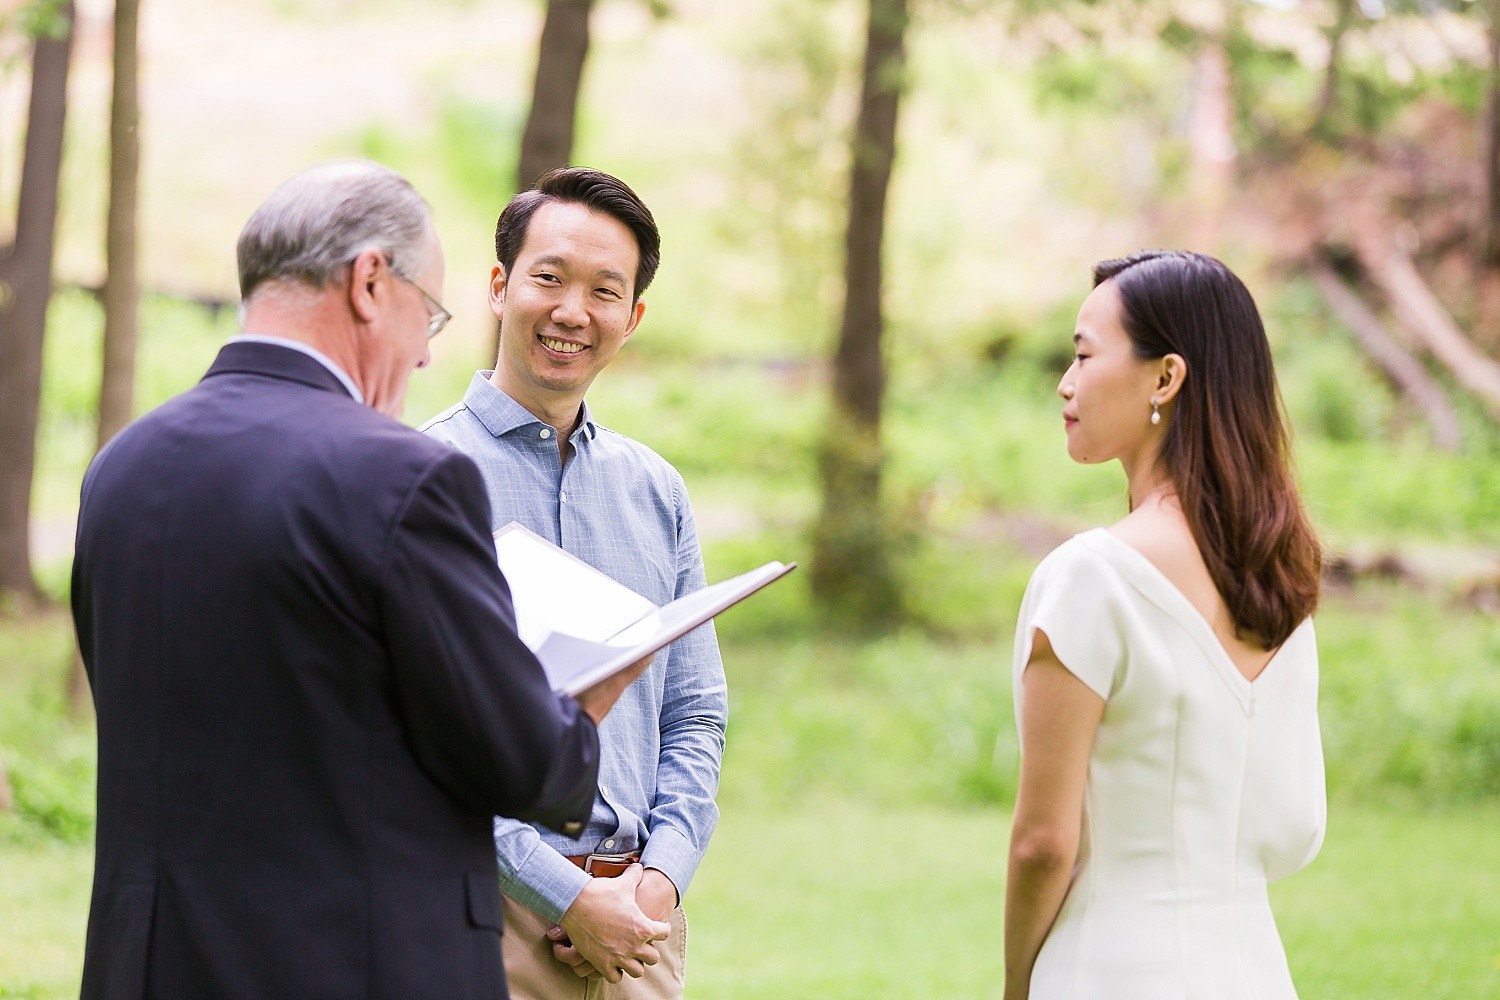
(547,141)
(1211,142)
(121,289)
(1421,314)
(1490,244)
(1323,124)
(1404,371)
(25,289)
(852,573)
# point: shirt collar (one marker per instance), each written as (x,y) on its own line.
(501,414)
(310,351)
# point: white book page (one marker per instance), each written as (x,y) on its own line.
(574,664)
(556,592)
(696,608)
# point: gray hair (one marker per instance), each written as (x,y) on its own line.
(316,223)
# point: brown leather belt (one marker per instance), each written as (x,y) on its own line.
(605,865)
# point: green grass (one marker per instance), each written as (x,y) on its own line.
(44,899)
(842,900)
(1399,904)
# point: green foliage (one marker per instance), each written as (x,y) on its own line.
(178,341)
(1108,80)
(1272,89)
(54,795)
(1410,707)
(50,761)
(894,722)
(792,160)
(468,156)
(33,19)
(480,144)
(1379,76)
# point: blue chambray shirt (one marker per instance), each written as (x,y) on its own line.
(621,508)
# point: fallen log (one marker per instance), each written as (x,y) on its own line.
(1419,312)
(1403,370)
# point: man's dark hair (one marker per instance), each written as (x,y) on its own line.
(595,190)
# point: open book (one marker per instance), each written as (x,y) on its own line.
(584,626)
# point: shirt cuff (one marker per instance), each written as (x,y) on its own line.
(674,855)
(546,883)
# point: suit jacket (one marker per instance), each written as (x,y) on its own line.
(311,700)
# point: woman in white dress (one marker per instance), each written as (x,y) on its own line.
(1165,667)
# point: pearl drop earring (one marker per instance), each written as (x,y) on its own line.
(1155,413)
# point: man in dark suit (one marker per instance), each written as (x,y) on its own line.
(310,692)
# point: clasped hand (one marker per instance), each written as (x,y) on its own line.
(608,930)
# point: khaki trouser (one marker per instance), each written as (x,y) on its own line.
(535,974)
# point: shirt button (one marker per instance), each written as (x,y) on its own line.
(563,496)
(546,433)
(609,843)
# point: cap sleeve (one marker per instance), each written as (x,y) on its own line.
(1075,598)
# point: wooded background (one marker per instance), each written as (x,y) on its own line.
(879,218)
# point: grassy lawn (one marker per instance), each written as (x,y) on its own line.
(44,900)
(845,901)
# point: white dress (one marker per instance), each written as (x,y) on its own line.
(1202,787)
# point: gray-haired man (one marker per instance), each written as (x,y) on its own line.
(310,692)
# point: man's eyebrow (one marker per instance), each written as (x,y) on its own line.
(555,261)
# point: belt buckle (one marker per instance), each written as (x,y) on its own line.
(626,858)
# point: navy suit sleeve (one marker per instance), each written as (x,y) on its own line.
(473,698)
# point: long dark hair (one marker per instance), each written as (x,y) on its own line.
(1226,450)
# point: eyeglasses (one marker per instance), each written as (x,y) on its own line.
(437,317)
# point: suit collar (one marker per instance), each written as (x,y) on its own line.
(275,361)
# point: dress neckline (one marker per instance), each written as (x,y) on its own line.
(1152,583)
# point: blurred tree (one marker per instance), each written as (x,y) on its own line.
(121,287)
(25,290)
(853,572)
(1323,124)
(799,66)
(1489,252)
(547,140)
(1211,128)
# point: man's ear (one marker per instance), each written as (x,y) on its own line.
(1169,378)
(636,312)
(497,290)
(364,279)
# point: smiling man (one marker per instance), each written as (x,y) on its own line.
(574,255)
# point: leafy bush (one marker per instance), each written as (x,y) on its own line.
(55,793)
(50,761)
